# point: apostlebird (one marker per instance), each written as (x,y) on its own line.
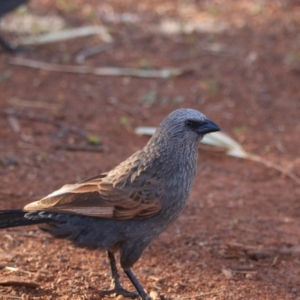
(125,208)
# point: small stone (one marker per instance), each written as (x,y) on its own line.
(9,161)
(64,260)
(154,295)
(294,291)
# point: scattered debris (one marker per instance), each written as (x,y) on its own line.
(63,127)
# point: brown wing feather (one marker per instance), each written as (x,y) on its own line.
(97,198)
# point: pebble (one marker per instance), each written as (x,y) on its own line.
(154,295)
(294,291)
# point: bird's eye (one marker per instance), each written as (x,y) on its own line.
(193,124)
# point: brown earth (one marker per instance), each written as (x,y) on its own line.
(239,237)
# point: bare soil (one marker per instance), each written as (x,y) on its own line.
(239,237)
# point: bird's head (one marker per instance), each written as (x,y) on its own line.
(186,125)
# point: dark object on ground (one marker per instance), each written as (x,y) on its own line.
(124,209)
(7,6)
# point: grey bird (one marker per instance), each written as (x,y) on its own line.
(125,208)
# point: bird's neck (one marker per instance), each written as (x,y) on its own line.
(178,161)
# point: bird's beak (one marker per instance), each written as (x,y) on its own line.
(207,127)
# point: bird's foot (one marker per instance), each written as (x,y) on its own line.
(119,291)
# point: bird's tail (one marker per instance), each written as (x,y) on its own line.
(16,217)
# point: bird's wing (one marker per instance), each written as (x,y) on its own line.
(98,197)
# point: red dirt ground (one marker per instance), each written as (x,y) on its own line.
(239,235)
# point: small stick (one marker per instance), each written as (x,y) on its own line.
(80,148)
(11,296)
(85,53)
(13,269)
(105,71)
(67,34)
(35,104)
(274,166)
(18,281)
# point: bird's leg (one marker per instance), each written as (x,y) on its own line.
(116,285)
(136,284)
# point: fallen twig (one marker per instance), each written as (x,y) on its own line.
(10,296)
(273,165)
(35,104)
(80,148)
(202,295)
(18,281)
(105,71)
(85,53)
(235,250)
(13,269)
(67,34)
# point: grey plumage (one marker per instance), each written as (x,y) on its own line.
(127,207)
